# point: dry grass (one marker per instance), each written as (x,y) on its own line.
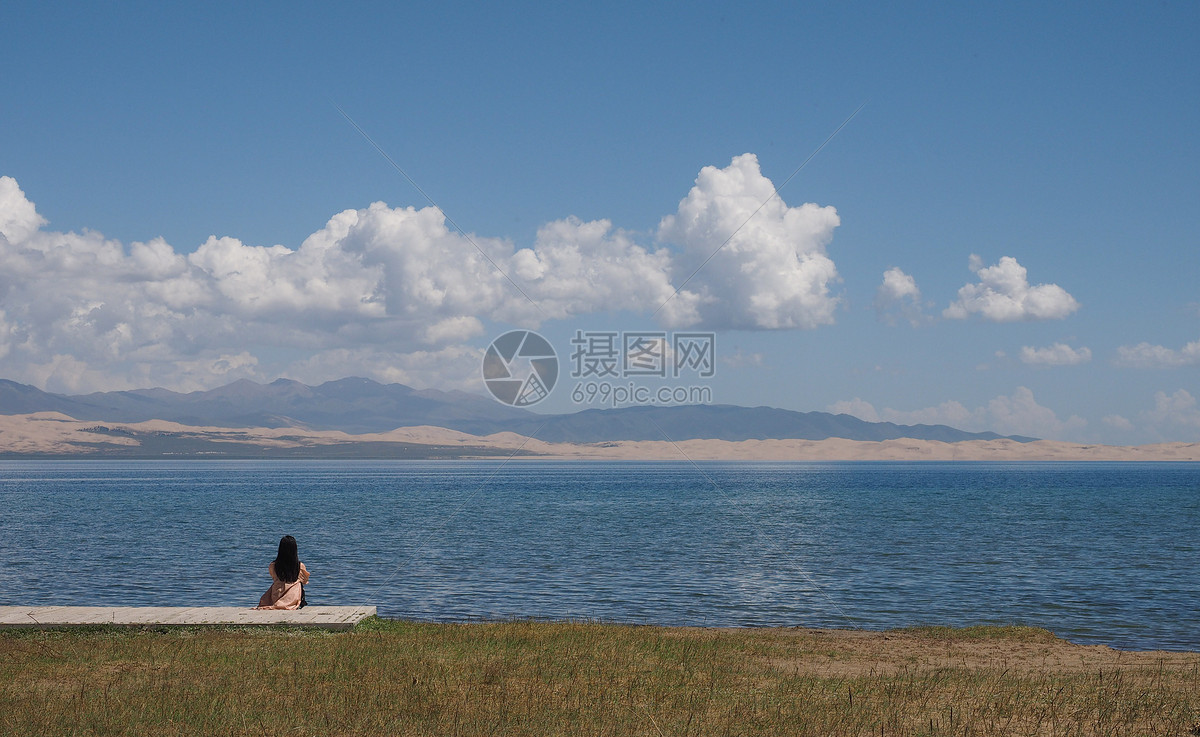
(525,678)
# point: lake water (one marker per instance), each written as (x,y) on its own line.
(1096,552)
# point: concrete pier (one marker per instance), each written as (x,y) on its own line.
(324,617)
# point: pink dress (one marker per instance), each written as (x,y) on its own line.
(283,595)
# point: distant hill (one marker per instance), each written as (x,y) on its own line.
(727,422)
(357,405)
(353,405)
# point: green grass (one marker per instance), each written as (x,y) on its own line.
(562,678)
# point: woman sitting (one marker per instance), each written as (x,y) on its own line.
(288,576)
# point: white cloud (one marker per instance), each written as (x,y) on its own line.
(739,359)
(18,216)
(450,367)
(898,285)
(1019,414)
(580,267)
(898,294)
(1117,422)
(856,407)
(1173,412)
(950,412)
(6,336)
(1058,354)
(200,373)
(81,312)
(65,373)
(1145,355)
(452,329)
(771,273)
(1003,294)
(1174,417)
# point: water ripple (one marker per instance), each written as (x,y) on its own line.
(1095,552)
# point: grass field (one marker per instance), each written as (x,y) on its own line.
(530,678)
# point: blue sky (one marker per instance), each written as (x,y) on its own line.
(184,204)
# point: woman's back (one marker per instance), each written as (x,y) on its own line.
(288,577)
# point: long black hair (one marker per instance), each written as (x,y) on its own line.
(287,562)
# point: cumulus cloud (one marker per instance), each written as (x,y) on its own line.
(898,285)
(18,216)
(898,295)
(761,266)
(856,407)
(580,267)
(387,286)
(1021,414)
(1018,414)
(451,367)
(950,412)
(1003,294)
(1146,355)
(1175,412)
(739,359)
(6,335)
(1058,354)
(83,312)
(1173,417)
(1117,422)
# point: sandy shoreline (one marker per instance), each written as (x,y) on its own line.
(52,434)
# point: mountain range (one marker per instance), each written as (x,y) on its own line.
(358,405)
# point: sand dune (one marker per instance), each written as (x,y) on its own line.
(55,434)
(838,449)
